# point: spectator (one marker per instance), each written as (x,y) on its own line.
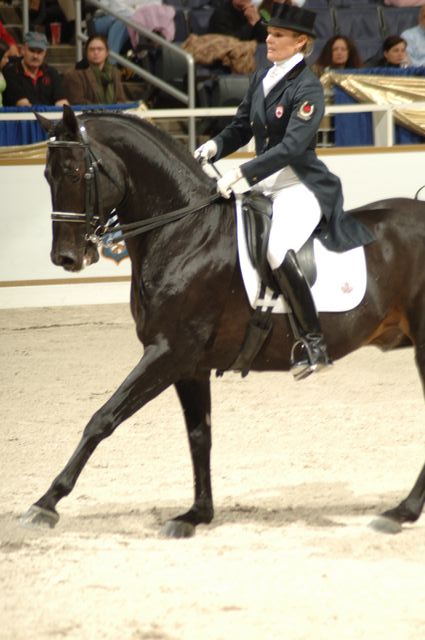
(241,19)
(415,38)
(95,81)
(339,52)
(115,30)
(6,37)
(393,54)
(4,59)
(29,80)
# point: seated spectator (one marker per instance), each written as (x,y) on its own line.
(29,80)
(241,19)
(156,18)
(6,37)
(95,81)
(393,54)
(339,52)
(415,38)
(4,59)
(115,30)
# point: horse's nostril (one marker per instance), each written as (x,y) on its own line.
(66,261)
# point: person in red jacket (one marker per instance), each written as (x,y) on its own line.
(10,40)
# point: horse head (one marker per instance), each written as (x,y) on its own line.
(86,184)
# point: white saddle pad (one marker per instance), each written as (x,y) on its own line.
(340,284)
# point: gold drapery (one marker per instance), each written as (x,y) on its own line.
(31,152)
(385,90)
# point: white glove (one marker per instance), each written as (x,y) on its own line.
(206,151)
(224,184)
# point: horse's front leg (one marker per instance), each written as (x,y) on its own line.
(195,398)
(150,377)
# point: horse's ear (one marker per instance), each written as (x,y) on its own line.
(44,123)
(70,120)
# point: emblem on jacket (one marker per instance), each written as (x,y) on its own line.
(279,111)
(306,110)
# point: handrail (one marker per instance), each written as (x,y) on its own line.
(188,98)
(383,121)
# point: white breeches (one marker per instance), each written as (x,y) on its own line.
(296,213)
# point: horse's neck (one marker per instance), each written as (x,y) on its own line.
(157,180)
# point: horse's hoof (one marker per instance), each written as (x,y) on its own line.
(383,524)
(178,529)
(38,517)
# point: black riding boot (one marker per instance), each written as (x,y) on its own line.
(309,352)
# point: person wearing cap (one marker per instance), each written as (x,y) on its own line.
(282,109)
(29,81)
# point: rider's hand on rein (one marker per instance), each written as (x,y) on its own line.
(225,184)
(206,151)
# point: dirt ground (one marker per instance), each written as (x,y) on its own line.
(299,470)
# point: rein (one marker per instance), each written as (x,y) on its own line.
(95,232)
(142,226)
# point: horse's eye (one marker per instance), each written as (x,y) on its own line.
(72,172)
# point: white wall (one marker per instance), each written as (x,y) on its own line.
(25,254)
(28,278)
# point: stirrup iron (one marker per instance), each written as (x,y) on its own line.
(308,355)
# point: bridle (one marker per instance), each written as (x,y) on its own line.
(93,201)
(95,232)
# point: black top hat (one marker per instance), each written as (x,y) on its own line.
(293,18)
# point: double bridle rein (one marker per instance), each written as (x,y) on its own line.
(95,232)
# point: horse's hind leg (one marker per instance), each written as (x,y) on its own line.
(195,398)
(409,509)
(149,378)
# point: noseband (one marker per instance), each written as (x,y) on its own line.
(93,203)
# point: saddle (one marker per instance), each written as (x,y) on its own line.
(257,216)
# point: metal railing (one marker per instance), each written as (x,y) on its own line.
(188,98)
(383,116)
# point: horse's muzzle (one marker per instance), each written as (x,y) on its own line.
(71,260)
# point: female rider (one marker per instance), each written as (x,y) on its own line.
(282,109)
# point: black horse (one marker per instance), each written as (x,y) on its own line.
(187,296)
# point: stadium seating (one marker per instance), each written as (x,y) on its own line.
(396,20)
(355,23)
(366,22)
(324,25)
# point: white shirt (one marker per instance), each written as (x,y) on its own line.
(415,38)
(278,71)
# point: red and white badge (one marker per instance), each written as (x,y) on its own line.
(306,110)
(279,111)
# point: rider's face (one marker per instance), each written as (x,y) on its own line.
(282,44)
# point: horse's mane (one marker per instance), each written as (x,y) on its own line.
(160,137)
